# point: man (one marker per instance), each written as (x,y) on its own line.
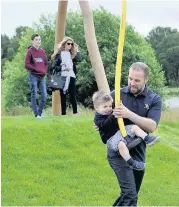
(143,108)
(36,64)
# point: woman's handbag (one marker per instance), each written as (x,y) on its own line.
(56,81)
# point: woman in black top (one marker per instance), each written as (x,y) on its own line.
(65,58)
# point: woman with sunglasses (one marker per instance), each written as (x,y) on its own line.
(65,58)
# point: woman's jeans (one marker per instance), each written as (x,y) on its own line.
(35,83)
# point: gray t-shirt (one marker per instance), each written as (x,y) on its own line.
(67,64)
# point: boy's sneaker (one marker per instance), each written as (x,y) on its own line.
(151,140)
(138,165)
(131,142)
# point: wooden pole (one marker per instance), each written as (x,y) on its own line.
(60,32)
(92,46)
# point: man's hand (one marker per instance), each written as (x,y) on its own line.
(121,111)
(96,127)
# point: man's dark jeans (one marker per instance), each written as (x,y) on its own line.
(36,83)
(129,181)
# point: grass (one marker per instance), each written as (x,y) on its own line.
(60,161)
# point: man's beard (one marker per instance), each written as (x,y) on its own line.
(137,91)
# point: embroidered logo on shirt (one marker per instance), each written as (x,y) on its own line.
(146,106)
(38,60)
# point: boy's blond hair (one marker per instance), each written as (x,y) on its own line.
(100,97)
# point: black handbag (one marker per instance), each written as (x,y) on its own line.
(56,81)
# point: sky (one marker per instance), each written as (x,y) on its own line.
(143,15)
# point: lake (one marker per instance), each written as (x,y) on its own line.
(173,102)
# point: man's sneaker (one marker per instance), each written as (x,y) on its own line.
(151,140)
(138,165)
(38,117)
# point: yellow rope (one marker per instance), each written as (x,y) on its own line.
(119,64)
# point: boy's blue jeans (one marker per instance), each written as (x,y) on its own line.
(35,83)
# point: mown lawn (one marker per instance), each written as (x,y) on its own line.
(60,161)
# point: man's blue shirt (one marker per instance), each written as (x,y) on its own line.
(147,104)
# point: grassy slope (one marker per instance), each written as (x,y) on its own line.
(61,161)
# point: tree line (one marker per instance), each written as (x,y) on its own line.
(158,50)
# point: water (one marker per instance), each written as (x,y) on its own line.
(173,102)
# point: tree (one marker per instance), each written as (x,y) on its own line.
(168,55)
(170,63)
(107,30)
(20,31)
(9,47)
(164,40)
(15,84)
(157,34)
(5,42)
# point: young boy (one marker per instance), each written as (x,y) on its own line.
(109,129)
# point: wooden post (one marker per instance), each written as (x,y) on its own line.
(60,32)
(92,46)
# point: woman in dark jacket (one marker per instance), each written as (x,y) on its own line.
(65,58)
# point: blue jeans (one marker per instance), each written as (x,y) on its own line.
(35,83)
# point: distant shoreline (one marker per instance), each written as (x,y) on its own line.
(172,102)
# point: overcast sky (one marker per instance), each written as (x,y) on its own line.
(144,15)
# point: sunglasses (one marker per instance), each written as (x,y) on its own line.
(69,43)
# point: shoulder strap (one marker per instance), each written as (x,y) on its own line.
(31,59)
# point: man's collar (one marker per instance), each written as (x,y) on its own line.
(125,89)
(143,93)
